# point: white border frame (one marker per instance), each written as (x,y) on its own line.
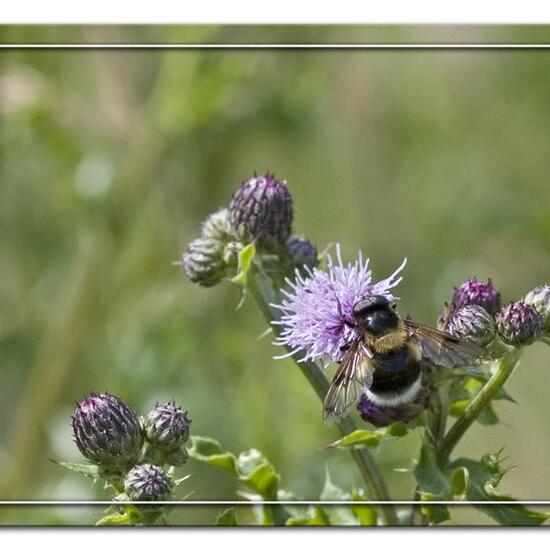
(289,46)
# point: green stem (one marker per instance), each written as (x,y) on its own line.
(505,368)
(434,430)
(317,379)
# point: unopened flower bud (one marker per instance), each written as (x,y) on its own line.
(147,482)
(218,226)
(539,298)
(476,293)
(107,431)
(301,252)
(261,210)
(203,261)
(472,323)
(166,429)
(231,253)
(519,324)
(444,316)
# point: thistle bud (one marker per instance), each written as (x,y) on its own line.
(444,316)
(301,252)
(107,431)
(261,210)
(147,482)
(472,323)
(539,298)
(166,429)
(475,293)
(218,226)
(203,261)
(519,324)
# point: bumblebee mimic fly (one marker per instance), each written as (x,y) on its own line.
(388,357)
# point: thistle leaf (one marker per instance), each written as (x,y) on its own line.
(89,470)
(371,438)
(433,484)
(205,449)
(227,518)
(315,516)
(484,476)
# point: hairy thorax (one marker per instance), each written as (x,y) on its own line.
(387,342)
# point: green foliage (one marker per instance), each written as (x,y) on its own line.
(471,480)
(433,484)
(483,477)
(89,470)
(359,439)
(261,482)
(251,468)
(227,518)
(466,389)
(246,257)
(314,517)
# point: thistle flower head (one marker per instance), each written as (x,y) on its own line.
(519,324)
(301,252)
(472,323)
(107,431)
(539,298)
(166,426)
(203,261)
(476,293)
(147,482)
(317,309)
(261,210)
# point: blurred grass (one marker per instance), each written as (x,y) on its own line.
(111,159)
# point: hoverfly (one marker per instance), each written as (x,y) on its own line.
(388,357)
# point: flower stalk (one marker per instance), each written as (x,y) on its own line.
(506,365)
(261,289)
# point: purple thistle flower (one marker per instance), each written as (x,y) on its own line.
(475,293)
(317,310)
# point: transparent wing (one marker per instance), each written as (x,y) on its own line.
(349,382)
(442,348)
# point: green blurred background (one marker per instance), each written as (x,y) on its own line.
(111,159)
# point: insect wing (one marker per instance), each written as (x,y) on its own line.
(349,382)
(442,348)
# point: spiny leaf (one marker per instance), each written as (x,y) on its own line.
(251,467)
(205,449)
(89,470)
(484,476)
(227,517)
(258,474)
(433,484)
(359,439)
